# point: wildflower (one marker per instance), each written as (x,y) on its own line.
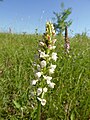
(34,82)
(43,55)
(54,56)
(44,67)
(47,78)
(53,66)
(43,101)
(38,75)
(51,71)
(43,63)
(48,81)
(39,91)
(51,85)
(51,47)
(42,43)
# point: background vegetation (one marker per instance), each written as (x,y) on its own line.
(71,97)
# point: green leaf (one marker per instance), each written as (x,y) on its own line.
(72,116)
(49,119)
(16,104)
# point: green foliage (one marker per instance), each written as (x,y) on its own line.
(70,100)
(61,19)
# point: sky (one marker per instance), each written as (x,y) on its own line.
(28,15)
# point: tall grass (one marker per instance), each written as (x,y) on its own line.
(70,100)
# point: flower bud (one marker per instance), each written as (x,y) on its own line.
(44,89)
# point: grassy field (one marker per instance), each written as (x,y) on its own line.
(69,100)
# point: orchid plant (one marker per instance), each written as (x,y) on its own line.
(45,66)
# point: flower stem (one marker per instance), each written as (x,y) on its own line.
(39,111)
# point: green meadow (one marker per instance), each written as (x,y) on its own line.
(69,100)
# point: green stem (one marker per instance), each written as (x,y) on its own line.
(39,111)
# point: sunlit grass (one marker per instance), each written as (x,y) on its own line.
(71,97)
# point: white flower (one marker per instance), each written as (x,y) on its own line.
(54,56)
(43,101)
(51,71)
(51,47)
(43,64)
(48,81)
(47,78)
(46,55)
(38,75)
(41,43)
(51,85)
(34,82)
(53,66)
(44,89)
(42,54)
(39,91)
